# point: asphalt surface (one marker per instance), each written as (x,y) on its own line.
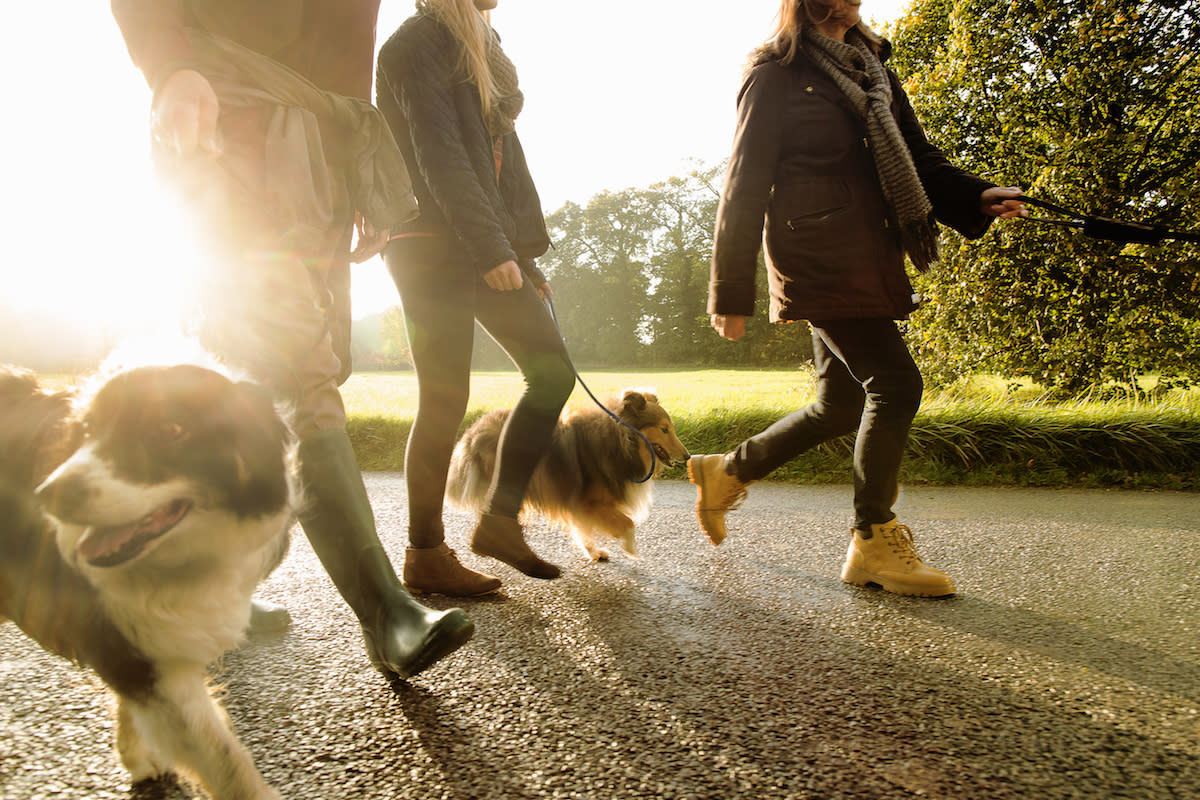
(1067,666)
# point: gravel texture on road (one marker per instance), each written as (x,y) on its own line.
(1067,666)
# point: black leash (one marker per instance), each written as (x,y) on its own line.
(604,408)
(1109,230)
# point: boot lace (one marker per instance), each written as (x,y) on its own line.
(734,499)
(900,539)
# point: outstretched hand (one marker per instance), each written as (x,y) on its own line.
(1002,202)
(370,241)
(183,120)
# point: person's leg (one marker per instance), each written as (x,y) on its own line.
(874,353)
(438,301)
(721,480)
(267,310)
(521,324)
(881,550)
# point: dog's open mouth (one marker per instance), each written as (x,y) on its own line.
(110,547)
(662,455)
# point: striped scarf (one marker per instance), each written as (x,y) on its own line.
(509,100)
(860,75)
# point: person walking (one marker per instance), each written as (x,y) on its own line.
(829,154)
(451,97)
(262,125)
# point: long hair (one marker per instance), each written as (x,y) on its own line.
(791,20)
(472,28)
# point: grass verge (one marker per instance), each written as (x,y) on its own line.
(983,433)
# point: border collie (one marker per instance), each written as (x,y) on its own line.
(136,521)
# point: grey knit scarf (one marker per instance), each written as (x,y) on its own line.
(860,75)
(509,100)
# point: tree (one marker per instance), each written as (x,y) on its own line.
(1090,104)
(630,275)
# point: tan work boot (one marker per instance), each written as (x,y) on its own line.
(437,570)
(718,492)
(890,560)
(503,539)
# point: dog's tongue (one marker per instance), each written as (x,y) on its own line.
(97,543)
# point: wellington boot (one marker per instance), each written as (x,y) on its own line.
(889,559)
(402,636)
(718,492)
(437,570)
(501,538)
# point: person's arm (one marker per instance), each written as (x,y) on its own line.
(419,72)
(185,108)
(153,33)
(747,191)
(954,193)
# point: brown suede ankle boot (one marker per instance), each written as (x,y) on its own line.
(437,570)
(501,538)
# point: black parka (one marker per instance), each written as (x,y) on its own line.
(801,162)
(437,119)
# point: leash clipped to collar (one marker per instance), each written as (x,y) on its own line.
(604,408)
(1108,230)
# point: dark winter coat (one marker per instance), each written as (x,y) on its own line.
(437,119)
(801,162)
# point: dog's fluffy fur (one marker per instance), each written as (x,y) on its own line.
(588,480)
(136,522)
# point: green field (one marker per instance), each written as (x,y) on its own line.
(988,432)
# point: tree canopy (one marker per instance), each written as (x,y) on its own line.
(1090,104)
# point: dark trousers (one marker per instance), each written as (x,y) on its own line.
(442,299)
(867,381)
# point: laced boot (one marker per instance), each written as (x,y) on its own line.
(718,492)
(889,559)
(501,538)
(437,570)
(402,636)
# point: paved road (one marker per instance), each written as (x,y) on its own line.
(1068,666)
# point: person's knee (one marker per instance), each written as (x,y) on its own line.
(549,381)
(900,391)
(839,417)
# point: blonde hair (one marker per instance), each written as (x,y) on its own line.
(791,20)
(472,28)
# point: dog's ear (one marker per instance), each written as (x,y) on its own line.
(633,401)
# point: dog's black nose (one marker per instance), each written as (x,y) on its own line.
(63,496)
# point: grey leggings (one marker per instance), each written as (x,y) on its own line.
(442,300)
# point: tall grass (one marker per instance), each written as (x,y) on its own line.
(985,432)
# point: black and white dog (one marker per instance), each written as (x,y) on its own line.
(136,521)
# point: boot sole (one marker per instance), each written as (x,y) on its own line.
(450,633)
(447,593)
(857,577)
(713,536)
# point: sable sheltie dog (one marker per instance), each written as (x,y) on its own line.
(589,478)
(135,523)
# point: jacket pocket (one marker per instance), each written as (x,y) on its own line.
(811,202)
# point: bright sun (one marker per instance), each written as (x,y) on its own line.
(95,240)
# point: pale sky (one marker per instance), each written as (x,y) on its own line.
(619,93)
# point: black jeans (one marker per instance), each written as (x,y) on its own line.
(857,361)
(442,299)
